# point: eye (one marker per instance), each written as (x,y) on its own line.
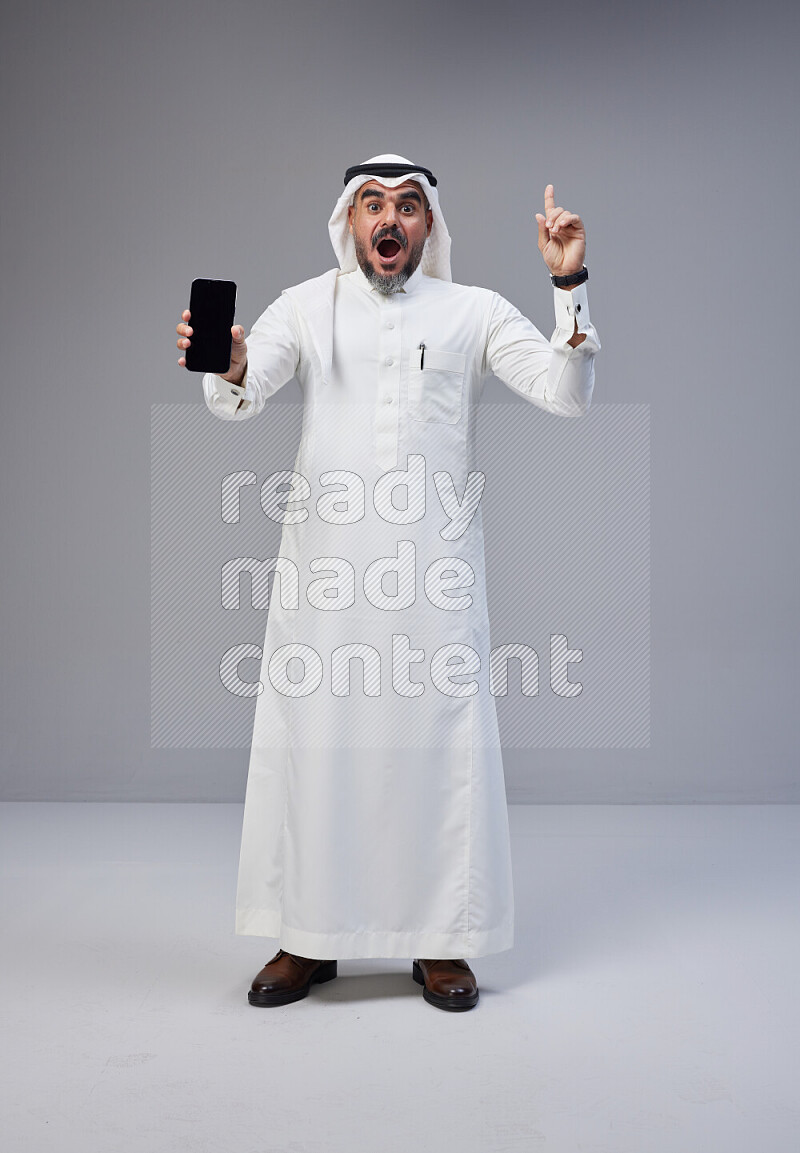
(374,204)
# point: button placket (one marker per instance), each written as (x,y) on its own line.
(388,390)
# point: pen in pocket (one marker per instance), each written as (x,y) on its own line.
(421,353)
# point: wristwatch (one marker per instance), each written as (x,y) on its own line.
(571,280)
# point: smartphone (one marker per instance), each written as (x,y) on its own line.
(212,304)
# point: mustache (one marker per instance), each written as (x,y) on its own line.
(390,232)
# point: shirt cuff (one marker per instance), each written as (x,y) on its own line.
(229,399)
(572,306)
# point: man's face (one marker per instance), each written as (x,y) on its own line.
(389,227)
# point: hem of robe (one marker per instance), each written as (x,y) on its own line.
(373,943)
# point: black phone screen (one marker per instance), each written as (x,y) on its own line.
(212,304)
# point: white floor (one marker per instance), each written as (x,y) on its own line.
(650,1002)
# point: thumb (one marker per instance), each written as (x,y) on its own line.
(543,237)
(237,332)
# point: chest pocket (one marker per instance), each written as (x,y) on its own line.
(435,391)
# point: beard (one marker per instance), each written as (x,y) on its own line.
(389,282)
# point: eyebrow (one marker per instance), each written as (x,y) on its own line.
(410,194)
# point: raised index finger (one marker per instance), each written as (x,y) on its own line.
(549,200)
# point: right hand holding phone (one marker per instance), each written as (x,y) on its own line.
(235,373)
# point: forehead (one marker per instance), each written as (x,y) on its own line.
(375,186)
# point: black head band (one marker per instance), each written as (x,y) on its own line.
(387,170)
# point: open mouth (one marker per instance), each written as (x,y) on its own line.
(388,250)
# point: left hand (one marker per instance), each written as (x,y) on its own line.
(562,239)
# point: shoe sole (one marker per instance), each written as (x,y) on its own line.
(451,1004)
(324,973)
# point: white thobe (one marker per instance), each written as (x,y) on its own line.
(375,821)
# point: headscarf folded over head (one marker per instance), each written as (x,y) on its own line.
(391,170)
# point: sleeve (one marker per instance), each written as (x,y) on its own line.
(550,374)
(273,355)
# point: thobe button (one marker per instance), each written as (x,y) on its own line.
(387,400)
(389,361)
(390,324)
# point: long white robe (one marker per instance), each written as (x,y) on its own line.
(375,821)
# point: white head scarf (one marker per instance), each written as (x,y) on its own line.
(435,255)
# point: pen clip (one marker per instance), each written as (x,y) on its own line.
(421,353)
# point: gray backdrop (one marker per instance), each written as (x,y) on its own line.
(147,144)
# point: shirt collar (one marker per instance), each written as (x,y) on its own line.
(412,285)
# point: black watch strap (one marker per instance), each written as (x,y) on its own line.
(571,280)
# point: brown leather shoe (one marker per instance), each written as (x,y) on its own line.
(447,984)
(288,978)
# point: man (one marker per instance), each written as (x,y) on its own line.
(375,821)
